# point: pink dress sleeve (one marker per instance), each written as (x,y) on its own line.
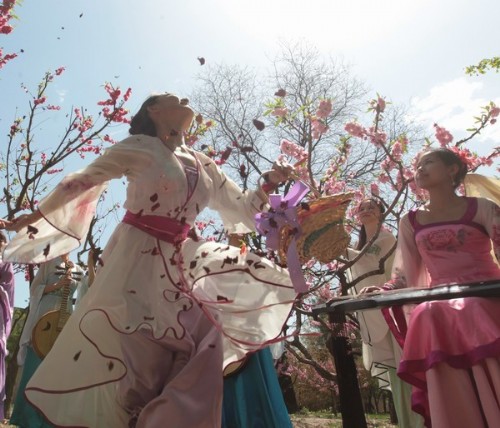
(408,269)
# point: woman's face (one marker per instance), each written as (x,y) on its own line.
(172,109)
(431,171)
(368,212)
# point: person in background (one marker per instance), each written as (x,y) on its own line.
(167,311)
(6,312)
(381,351)
(252,395)
(451,352)
(88,279)
(46,295)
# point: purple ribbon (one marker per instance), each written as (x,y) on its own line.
(283,212)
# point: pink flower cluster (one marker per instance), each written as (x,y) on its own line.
(5,59)
(279,112)
(355,129)
(5,16)
(108,139)
(472,160)
(324,109)
(318,128)
(443,136)
(5,28)
(15,128)
(377,137)
(494,112)
(40,100)
(378,105)
(117,113)
(293,150)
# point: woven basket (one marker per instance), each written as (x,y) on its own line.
(323,235)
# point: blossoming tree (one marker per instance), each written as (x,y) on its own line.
(28,166)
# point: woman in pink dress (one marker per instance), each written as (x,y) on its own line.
(6,312)
(451,352)
(167,311)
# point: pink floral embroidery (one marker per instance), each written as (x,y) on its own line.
(445,239)
(75,185)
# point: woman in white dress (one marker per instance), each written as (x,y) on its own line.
(167,311)
(381,351)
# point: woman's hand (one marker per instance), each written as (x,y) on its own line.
(4,224)
(279,173)
(371,289)
(64,281)
(24,220)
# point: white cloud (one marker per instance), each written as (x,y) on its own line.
(61,93)
(453,105)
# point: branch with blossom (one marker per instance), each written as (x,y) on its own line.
(6,14)
(26,165)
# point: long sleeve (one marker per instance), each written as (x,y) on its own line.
(371,260)
(68,210)
(408,269)
(237,208)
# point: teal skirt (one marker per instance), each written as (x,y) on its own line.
(24,414)
(253,398)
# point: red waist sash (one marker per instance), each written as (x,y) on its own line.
(162,228)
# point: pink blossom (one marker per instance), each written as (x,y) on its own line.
(40,100)
(318,128)
(5,59)
(378,104)
(377,137)
(127,94)
(383,178)
(397,151)
(6,29)
(53,107)
(292,149)
(494,112)
(324,109)
(443,136)
(280,112)
(374,189)
(355,130)
(54,171)
(59,71)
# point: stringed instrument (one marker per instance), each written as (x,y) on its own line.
(49,326)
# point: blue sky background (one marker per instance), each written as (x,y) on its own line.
(412,52)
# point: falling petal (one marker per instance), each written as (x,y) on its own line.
(258,124)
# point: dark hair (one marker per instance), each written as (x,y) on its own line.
(141,122)
(449,158)
(362,231)
(3,238)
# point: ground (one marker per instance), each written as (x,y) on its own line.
(301,421)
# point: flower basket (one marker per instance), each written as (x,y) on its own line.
(323,236)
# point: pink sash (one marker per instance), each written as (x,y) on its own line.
(163,228)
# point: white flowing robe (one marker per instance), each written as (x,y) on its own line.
(146,283)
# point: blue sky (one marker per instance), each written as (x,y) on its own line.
(413,52)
